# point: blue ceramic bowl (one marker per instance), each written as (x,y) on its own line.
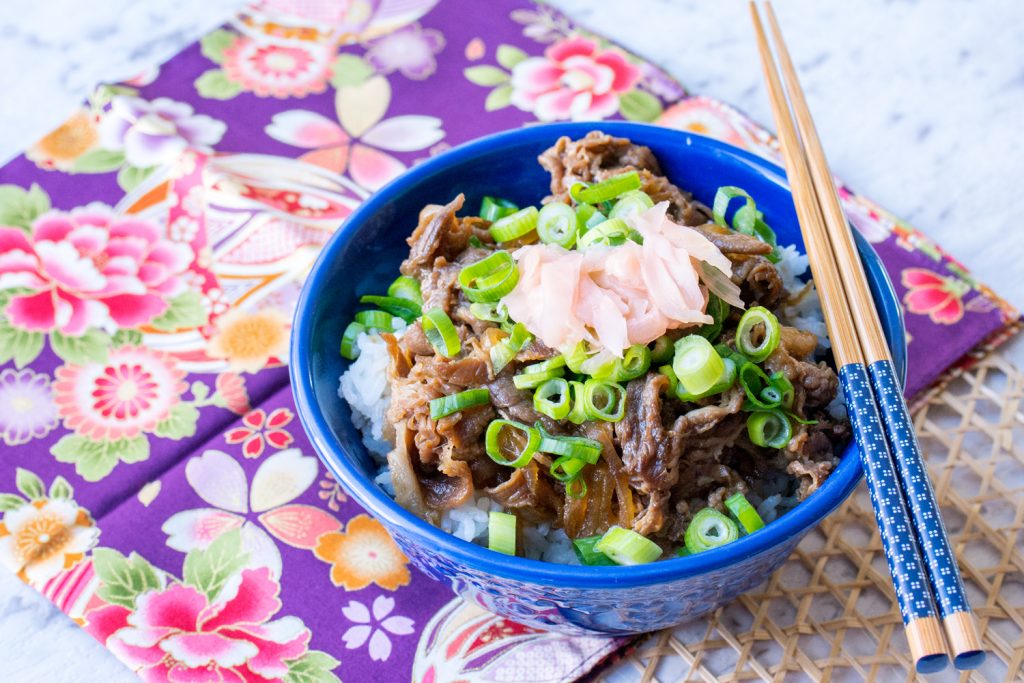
(363,257)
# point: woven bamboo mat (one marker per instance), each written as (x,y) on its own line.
(830,613)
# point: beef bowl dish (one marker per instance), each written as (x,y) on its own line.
(580,373)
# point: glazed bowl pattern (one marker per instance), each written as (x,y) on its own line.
(363,257)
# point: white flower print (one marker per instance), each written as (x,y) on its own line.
(374,627)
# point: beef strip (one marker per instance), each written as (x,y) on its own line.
(439,233)
(759,281)
(732,242)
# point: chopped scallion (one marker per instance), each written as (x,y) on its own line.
(709,529)
(744,513)
(719,310)
(447,405)
(757,334)
(625,546)
(631,204)
(403,308)
(504,351)
(582,448)
(501,532)
(587,555)
(375,320)
(769,428)
(697,365)
(552,399)
(604,400)
(663,350)
(493,208)
(517,440)
(607,189)
(557,224)
(405,287)
(441,333)
(489,279)
(611,232)
(348,340)
(494,312)
(515,225)
(578,414)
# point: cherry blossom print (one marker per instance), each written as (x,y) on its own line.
(356,144)
(27,409)
(271,69)
(257,507)
(374,625)
(89,268)
(937,296)
(156,132)
(575,79)
(259,429)
(409,50)
(362,554)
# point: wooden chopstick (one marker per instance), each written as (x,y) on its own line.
(909,576)
(940,562)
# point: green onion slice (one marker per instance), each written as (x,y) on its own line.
(515,225)
(587,555)
(778,393)
(744,513)
(489,279)
(587,216)
(576,488)
(604,400)
(663,350)
(566,468)
(504,351)
(719,310)
(501,532)
(403,308)
(760,323)
(625,546)
(552,399)
(493,312)
(348,340)
(507,436)
(375,320)
(579,447)
(405,287)
(635,362)
(557,224)
(446,405)
(532,380)
(493,208)
(578,414)
(631,204)
(611,232)
(709,529)
(441,333)
(747,218)
(475,241)
(727,379)
(769,428)
(757,387)
(607,189)
(697,365)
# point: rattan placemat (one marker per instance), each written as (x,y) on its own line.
(830,613)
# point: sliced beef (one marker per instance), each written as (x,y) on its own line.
(759,281)
(517,404)
(732,242)
(529,493)
(799,344)
(439,233)
(815,384)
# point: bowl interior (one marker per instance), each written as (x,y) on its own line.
(364,255)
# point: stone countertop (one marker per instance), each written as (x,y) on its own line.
(919,105)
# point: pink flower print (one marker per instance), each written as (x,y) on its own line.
(177,634)
(119,399)
(156,132)
(410,50)
(931,294)
(357,145)
(575,79)
(259,429)
(231,389)
(264,505)
(88,269)
(278,70)
(374,627)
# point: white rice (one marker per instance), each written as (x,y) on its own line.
(364,385)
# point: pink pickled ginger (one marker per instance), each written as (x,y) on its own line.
(615,297)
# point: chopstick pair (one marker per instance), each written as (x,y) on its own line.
(924,570)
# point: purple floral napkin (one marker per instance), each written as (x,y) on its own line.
(155,484)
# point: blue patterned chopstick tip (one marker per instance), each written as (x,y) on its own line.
(898,542)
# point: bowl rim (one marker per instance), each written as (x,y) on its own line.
(375,500)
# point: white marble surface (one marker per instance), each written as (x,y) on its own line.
(919,105)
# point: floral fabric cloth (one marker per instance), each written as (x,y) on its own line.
(155,483)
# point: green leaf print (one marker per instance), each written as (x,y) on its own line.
(60,489)
(181,423)
(510,55)
(9,501)
(349,70)
(208,570)
(91,347)
(485,75)
(215,85)
(29,484)
(98,161)
(126,338)
(122,579)
(313,667)
(19,207)
(499,98)
(212,45)
(183,311)
(93,460)
(130,176)
(638,105)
